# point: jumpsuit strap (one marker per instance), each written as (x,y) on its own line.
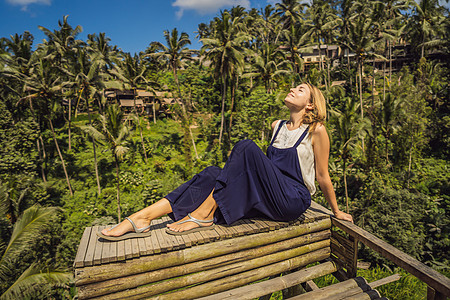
(301,137)
(278,130)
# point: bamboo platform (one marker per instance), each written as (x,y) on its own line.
(94,251)
(213,261)
(241,261)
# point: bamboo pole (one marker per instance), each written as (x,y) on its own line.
(276,284)
(368,295)
(93,274)
(246,277)
(128,282)
(227,271)
(338,288)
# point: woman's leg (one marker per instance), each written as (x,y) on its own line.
(205,211)
(141,218)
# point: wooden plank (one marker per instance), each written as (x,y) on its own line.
(386,280)
(113,252)
(270,226)
(221,232)
(342,240)
(262,226)
(142,247)
(224,231)
(120,250)
(177,241)
(148,245)
(128,249)
(252,227)
(89,258)
(247,228)
(234,230)
(156,248)
(105,257)
(424,273)
(82,248)
(239,228)
(187,240)
(165,244)
(98,247)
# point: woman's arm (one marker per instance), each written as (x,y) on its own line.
(321,146)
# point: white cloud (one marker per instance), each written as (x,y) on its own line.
(25,3)
(206,6)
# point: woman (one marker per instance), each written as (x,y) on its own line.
(277,186)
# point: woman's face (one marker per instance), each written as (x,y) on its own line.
(298,97)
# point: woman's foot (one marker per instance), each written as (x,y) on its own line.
(186,226)
(126,226)
(204,212)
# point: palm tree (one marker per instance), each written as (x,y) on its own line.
(35,278)
(45,86)
(320,25)
(268,64)
(389,119)
(131,73)
(62,42)
(88,81)
(174,56)
(348,129)
(290,17)
(112,132)
(225,52)
(427,24)
(361,40)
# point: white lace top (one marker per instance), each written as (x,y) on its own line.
(287,138)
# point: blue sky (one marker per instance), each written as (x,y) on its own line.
(131,24)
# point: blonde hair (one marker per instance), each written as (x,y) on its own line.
(318,114)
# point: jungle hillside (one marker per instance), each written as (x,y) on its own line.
(73,156)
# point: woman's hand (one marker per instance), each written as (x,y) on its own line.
(343,216)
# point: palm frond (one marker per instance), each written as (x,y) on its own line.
(27,227)
(34,279)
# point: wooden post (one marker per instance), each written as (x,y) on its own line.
(432,294)
(352,268)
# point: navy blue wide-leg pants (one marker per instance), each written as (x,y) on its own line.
(249,185)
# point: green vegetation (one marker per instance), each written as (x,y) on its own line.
(70,159)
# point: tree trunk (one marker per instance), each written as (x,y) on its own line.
(70,122)
(118,187)
(42,164)
(154,111)
(360,97)
(193,142)
(142,141)
(390,62)
(410,158)
(384,81)
(61,157)
(233,91)
(222,118)
(345,182)
(99,191)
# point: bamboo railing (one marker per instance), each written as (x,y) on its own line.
(346,251)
